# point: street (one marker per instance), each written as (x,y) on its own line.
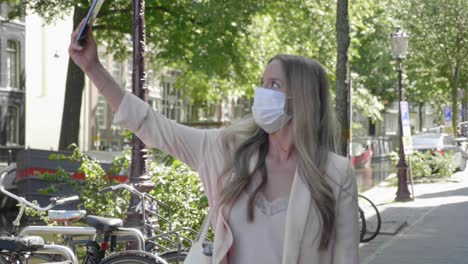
(437,230)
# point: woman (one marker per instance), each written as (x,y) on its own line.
(280,193)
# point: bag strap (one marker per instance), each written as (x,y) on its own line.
(205,226)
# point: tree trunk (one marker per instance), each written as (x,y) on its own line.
(464,103)
(343,39)
(454,83)
(70,129)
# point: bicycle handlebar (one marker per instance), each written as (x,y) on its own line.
(133,190)
(21,200)
(66,200)
(105,190)
(127,187)
(9,169)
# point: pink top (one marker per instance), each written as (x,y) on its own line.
(260,241)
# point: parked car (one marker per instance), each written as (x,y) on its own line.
(441,143)
(462,128)
(361,155)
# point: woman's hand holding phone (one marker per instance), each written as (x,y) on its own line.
(89,21)
(85,56)
(83,49)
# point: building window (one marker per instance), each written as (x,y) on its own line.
(101,113)
(179,107)
(12,125)
(158,104)
(103,58)
(391,124)
(117,71)
(13,64)
(151,103)
(166,87)
(129,77)
(170,102)
(150,80)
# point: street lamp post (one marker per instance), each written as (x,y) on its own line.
(399,45)
(138,175)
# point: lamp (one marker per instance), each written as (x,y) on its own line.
(399,45)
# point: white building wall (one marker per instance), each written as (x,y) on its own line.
(46,71)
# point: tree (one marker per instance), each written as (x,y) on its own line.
(464,88)
(439,33)
(371,68)
(370,55)
(221,47)
(199,36)
(342,88)
(70,127)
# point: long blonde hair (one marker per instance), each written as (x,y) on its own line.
(313,133)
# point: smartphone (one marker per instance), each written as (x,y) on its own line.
(89,20)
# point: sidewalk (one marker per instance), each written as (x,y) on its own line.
(431,229)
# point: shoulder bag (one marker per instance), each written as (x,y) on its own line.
(201,250)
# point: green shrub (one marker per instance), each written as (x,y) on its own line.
(180,188)
(420,165)
(427,165)
(96,179)
(442,165)
(175,184)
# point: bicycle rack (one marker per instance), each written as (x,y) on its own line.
(61,250)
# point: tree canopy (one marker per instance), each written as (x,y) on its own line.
(438,48)
(221,47)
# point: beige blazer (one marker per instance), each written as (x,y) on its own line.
(202,150)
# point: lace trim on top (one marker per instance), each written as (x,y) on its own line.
(269,208)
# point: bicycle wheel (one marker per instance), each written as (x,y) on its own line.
(372,216)
(133,257)
(362,225)
(3,260)
(174,257)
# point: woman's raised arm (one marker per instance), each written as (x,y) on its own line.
(190,145)
(86,57)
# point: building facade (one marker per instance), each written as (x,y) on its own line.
(422,116)
(46,72)
(12,84)
(99,133)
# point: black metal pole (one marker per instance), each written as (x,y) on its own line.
(138,84)
(403,193)
(138,176)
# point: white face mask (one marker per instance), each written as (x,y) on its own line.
(268,110)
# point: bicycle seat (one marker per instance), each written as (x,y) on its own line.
(65,215)
(21,243)
(104,224)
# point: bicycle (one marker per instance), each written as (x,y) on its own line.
(13,251)
(362,224)
(369,229)
(22,249)
(150,208)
